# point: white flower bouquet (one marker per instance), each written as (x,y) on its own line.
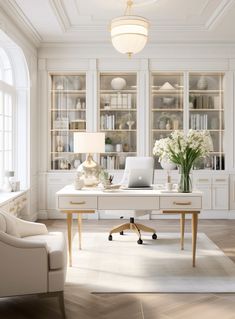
(184,150)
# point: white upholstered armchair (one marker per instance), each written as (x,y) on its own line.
(32,260)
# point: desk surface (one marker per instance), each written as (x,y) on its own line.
(69,190)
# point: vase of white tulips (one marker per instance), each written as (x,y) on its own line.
(184,150)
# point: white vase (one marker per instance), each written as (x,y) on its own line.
(118,83)
(202,83)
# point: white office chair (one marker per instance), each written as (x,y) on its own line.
(135,163)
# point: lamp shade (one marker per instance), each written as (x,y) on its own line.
(89,142)
(129,34)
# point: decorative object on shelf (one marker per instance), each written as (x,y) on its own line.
(168,125)
(108,145)
(89,143)
(78,104)
(202,83)
(77,83)
(184,150)
(126,147)
(166,87)
(76,163)
(78,181)
(168,100)
(175,123)
(129,34)
(118,84)
(61,123)
(60,144)
(130,124)
(8,180)
(118,148)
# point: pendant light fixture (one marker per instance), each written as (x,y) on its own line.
(129,33)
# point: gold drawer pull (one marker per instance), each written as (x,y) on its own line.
(203,180)
(78,203)
(182,203)
(220,180)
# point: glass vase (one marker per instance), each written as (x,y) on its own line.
(185,183)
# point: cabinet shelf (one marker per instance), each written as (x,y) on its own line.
(82,92)
(117,110)
(68,110)
(206,110)
(68,130)
(102,92)
(117,130)
(167,110)
(167,92)
(206,91)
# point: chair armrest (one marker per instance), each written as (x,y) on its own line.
(20,243)
(25,228)
(24,266)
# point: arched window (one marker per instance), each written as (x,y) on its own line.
(13,111)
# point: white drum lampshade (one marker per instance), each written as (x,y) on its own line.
(89,143)
(129,34)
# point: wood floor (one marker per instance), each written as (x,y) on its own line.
(80,304)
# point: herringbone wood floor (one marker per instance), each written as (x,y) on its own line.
(82,305)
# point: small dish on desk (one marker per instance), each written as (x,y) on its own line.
(111,187)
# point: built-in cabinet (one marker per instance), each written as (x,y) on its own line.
(134,107)
(118,117)
(67,115)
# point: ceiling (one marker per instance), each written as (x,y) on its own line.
(208,21)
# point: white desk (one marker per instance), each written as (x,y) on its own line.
(72,201)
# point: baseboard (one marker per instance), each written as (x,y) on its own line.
(42,214)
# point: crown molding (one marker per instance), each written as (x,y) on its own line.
(18,17)
(59,9)
(219,12)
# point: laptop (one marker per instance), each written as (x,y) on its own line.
(140,179)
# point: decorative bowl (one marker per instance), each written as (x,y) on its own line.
(118,83)
(168,100)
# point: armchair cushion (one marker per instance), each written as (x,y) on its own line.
(11,225)
(55,242)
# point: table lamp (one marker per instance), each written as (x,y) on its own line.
(89,143)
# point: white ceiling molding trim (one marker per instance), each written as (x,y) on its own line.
(17,15)
(219,12)
(61,14)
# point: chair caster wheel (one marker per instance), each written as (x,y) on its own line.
(110,237)
(154,236)
(140,241)
(121,232)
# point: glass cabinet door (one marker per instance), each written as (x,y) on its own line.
(68,115)
(118,118)
(167,106)
(206,112)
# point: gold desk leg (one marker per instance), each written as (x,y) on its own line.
(194,236)
(80,230)
(182,226)
(69,225)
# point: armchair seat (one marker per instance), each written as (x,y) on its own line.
(56,248)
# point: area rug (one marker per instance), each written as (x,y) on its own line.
(158,265)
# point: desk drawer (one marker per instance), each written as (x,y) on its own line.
(180,203)
(73,202)
(128,202)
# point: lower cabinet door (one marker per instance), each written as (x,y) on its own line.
(206,198)
(220,197)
